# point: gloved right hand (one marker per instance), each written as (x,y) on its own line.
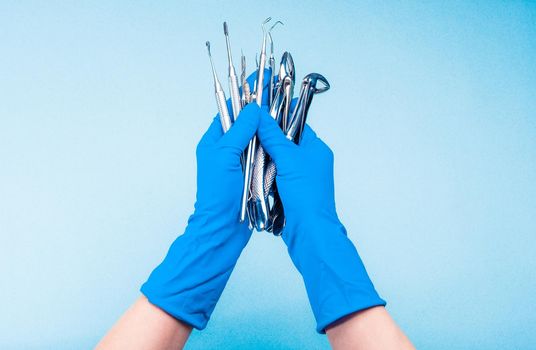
(336,281)
(189,281)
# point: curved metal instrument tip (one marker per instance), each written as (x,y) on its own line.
(225,29)
(263,23)
(314,79)
(270,35)
(272,27)
(286,68)
(211,63)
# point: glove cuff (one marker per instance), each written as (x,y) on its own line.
(335,278)
(192,276)
(176,307)
(352,301)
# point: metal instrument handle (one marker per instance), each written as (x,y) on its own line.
(225,119)
(235,96)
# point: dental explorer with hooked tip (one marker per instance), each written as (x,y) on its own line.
(250,156)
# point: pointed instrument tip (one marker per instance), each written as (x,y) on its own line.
(225,29)
(276,23)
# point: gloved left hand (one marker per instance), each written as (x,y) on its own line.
(190,280)
(336,280)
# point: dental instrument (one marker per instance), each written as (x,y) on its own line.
(253,143)
(221,101)
(233,79)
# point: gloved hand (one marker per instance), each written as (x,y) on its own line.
(190,280)
(336,281)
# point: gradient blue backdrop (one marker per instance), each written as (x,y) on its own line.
(432,118)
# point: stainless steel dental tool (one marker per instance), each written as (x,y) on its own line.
(271,63)
(246,92)
(293,131)
(246,98)
(258,208)
(225,118)
(263,168)
(262,64)
(233,79)
(260,200)
(280,109)
(309,88)
(285,89)
(253,142)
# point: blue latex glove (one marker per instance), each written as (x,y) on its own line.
(190,280)
(336,280)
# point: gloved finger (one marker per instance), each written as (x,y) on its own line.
(308,135)
(214,132)
(243,129)
(272,138)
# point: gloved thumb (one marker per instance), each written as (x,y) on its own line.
(243,129)
(272,138)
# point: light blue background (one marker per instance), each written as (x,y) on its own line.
(432,118)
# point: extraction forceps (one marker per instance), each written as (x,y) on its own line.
(308,89)
(279,110)
(293,131)
(260,200)
(225,118)
(284,89)
(263,168)
(250,156)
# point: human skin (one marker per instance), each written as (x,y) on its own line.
(145,327)
(366,330)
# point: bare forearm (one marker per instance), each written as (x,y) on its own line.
(368,329)
(145,326)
